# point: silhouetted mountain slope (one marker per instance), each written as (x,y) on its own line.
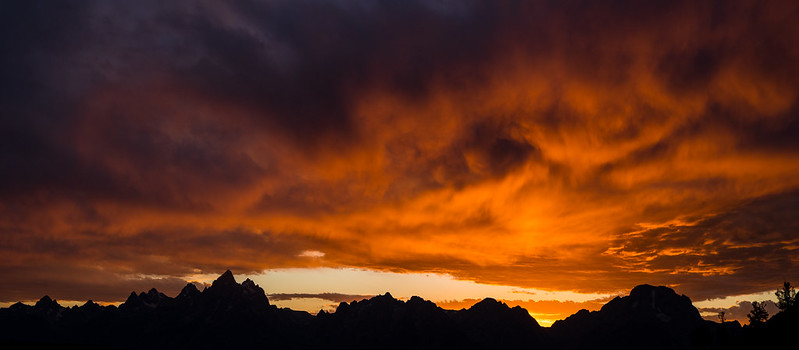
(225,313)
(492,323)
(778,332)
(649,318)
(385,322)
(228,314)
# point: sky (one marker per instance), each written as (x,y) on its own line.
(565,150)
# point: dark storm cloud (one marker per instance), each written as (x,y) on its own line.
(105,267)
(503,142)
(161,252)
(295,67)
(300,66)
(31,105)
(744,249)
(79,283)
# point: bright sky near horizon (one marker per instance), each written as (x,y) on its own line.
(309,290)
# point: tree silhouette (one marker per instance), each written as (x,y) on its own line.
(721,316)
(758,315)
(786,297)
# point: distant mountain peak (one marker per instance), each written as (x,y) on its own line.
(18,306)
(416,299)
(189,291)
(250,287)
(653,311)
(651,317)
(225,279)
(132,297)
(661,300)
(226,288)
(90,306)
(385,299)
(489,304)
(488,301)
(152,298)
(48,306)
(132,302)
(46,303)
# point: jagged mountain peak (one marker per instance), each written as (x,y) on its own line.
(189,291)
(387,299)
(379,301)
(225,279)
(492,310)
(226,288)
(46,303)
(153,297)
(155,294)
(647,313)
(18,306)
(663,302)
(90,306)
(492,307)
(650,317)
(418,300)
(386,296)
(248,284)
(488,303)
(249,287)
(136,301)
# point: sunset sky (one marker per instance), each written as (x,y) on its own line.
(551,154)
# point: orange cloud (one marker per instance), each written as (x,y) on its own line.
(552,146)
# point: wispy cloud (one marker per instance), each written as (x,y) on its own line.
(334,297)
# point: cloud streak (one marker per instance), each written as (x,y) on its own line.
(334,297)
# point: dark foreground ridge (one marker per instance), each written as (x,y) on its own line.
(228,314)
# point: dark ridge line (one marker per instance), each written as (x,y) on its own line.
(227,314)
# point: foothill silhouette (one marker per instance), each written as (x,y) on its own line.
(229,314)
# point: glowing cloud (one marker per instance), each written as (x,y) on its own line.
(556,146)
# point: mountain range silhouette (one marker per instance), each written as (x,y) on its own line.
(229,314)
